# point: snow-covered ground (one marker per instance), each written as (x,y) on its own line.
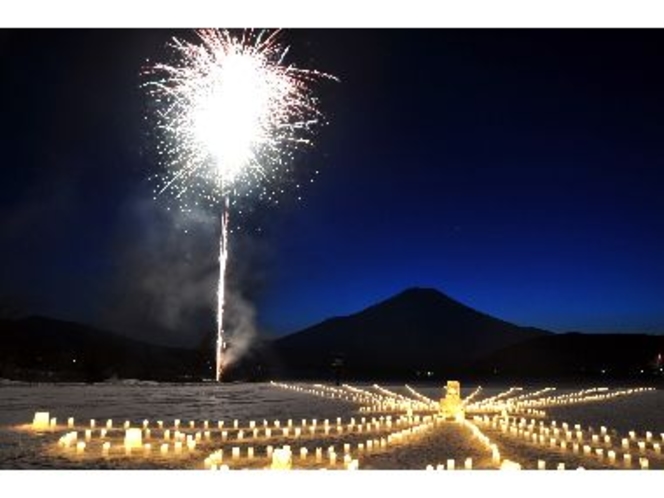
(136,401)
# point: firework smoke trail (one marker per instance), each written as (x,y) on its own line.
(230,114)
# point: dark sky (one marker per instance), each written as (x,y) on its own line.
(519,172)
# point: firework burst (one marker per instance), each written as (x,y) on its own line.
(230,116)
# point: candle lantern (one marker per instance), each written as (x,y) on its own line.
(133,438)
(282,459)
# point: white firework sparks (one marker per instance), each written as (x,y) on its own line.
(231,113)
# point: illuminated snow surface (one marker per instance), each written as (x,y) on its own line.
(408,435)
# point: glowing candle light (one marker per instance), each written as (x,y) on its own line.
(599,452)
(319,455)
(625,443)
(133,438)
(127,424)
(561,466)
(285,431)
(360,447)
(147,448)
(632,434)
(303,453)
(268,432)
(178,447)
(541,465)
(160,424)
(277,424)
(80,447)
(207,435)
(333,458)
(163,449)
(269,450)
(192,424)
(105,448)
(250,452)
(109,424)
(429,467)
(611,455)
(595,439)
(93,423)
(146,422)
(206,424)
(54,423)
(282,459)
(290,422)
(468,464)
(220,424)
(627,459)
(346,448)
(657,447)
(495,454)
(148,433)
(176,423)
(240,435)
(102,433)
(643,462)
(642,446)
(167,434)
(88,434)
(603,430)
(586,449)
(70,422)
(450,464)
(224,435)
(298,431)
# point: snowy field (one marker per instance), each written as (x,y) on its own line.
(138,401)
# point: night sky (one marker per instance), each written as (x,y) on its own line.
(519,172)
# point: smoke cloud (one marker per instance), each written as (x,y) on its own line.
(166,276)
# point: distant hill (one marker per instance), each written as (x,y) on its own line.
(578,355)
(417,334)
(419,330)
(42,348)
